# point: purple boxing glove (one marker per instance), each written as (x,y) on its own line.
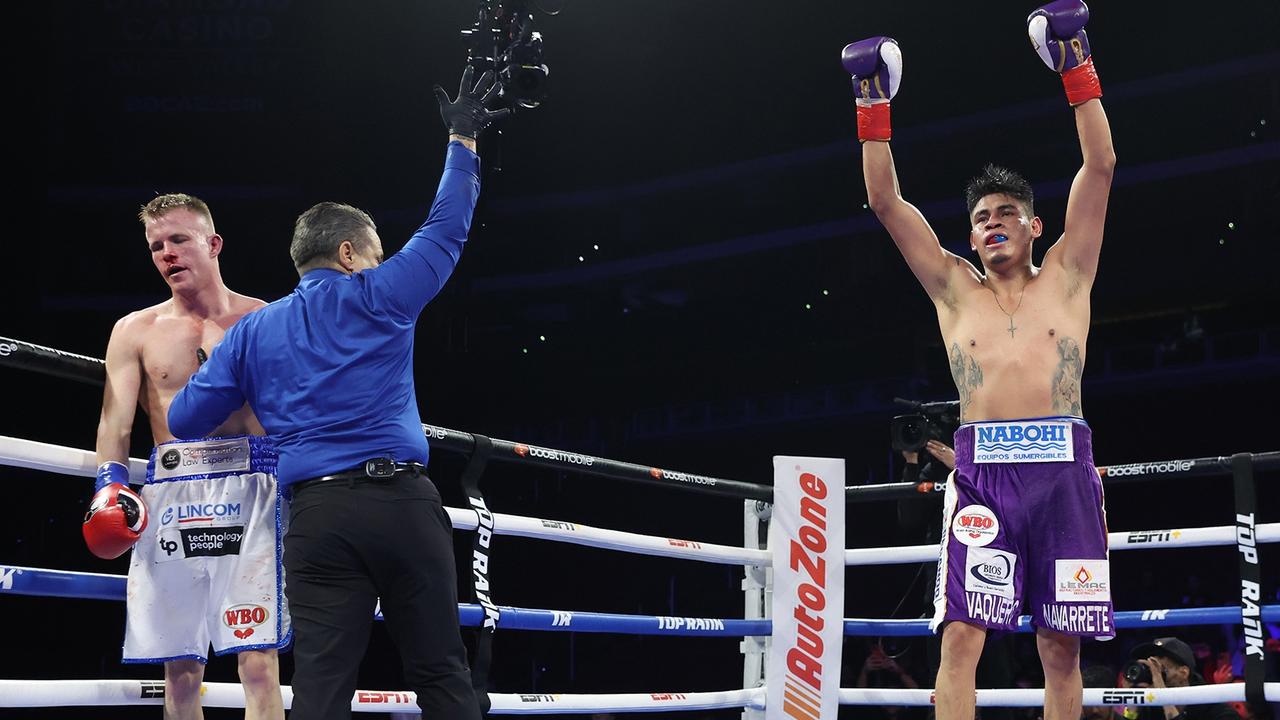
(876,67)
(1057,34)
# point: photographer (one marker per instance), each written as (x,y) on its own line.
(922,437)
(942,455)
(882,670)
(1169,662)
(1097,676)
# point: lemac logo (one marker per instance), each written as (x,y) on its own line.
(1082,580)
(557,455)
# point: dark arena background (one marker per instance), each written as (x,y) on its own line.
(672,264)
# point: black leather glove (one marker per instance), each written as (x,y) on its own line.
(469,114)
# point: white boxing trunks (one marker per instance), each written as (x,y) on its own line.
(208,568)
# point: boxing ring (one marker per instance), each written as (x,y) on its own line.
(755,628)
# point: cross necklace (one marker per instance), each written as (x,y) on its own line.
(1000,305)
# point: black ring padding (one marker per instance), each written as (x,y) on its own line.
(1250,564)
(49,361)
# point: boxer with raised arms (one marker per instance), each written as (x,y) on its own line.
(1023,516)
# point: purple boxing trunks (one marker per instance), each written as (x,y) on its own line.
(1023,522)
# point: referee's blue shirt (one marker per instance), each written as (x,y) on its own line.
(328,370)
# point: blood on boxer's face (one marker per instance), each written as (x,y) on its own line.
(184,248)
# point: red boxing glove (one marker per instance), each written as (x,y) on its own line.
(115,520)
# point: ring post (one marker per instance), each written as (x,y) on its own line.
(757,588)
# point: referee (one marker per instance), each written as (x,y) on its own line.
(328,370)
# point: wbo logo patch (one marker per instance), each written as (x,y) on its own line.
(975,526)
(1023,442)
(243,618)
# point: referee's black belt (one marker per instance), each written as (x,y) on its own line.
(374,469)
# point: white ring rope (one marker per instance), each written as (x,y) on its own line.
(1034,697)
(67,693)
(69,461)
(57,458)
(1132,540)
(576,534)
(56,693)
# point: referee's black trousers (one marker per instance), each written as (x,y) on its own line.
(350,543)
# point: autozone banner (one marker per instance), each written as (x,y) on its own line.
(806,537)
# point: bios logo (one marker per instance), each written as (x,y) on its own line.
(996,572)
(522,450)
(170,459)
(242,619)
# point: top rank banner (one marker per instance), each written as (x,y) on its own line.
(806,537)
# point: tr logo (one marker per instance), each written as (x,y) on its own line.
(559,618)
